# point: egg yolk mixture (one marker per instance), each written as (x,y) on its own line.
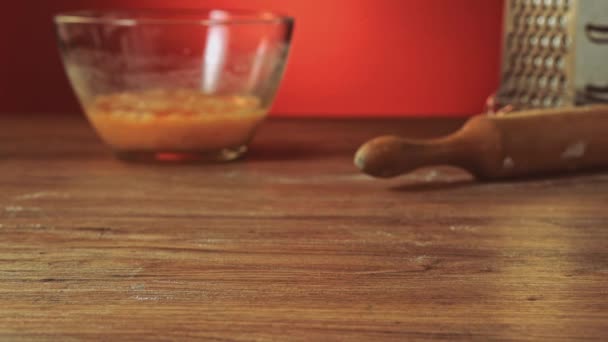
(174,120)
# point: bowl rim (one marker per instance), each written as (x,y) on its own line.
(126,17)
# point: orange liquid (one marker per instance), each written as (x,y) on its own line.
(174,120)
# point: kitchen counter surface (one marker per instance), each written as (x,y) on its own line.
(291,243)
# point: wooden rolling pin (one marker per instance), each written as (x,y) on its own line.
(533,142)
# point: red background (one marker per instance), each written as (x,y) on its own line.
(349,57)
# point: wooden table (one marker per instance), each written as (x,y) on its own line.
(290,244)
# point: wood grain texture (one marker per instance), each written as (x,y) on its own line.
(290,244)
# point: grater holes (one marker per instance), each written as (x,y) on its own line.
(561,42)
(549,62)
(523,41)
(540,21)
(558,83)
(528,61)
(515,42)
(522,82)
(543,82)
(533,41)
(563,4)
(545,41)
(537,43)
(530,82)
(556,42)
(549,101)
(567,41)
(555,83)
(560,63)
(563,21)
(511,41)
(516,66)
(538,61)
(510,83)
(535,102)
(518,4)
(530,21)
(564,83)
(552,21)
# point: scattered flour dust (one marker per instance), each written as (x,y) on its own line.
(42,194)
(574,151)
(508,163)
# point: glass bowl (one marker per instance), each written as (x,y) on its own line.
(175,84)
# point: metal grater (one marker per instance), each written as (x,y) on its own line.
(555,53)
